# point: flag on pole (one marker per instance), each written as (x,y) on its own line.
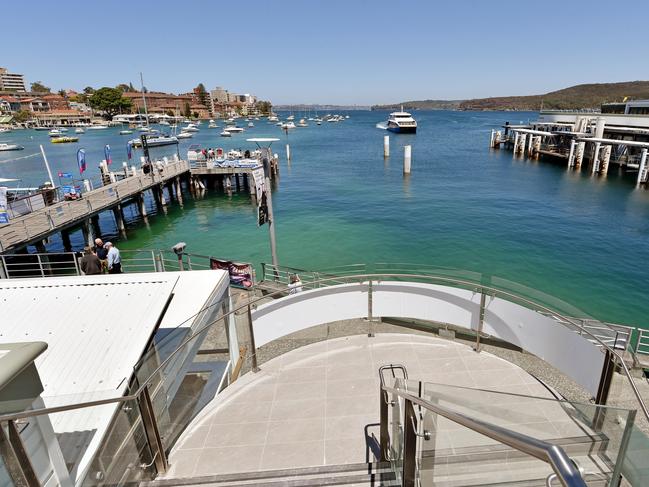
(128,151)
(81,161)
(107,154)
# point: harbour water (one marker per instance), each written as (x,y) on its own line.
(582,239)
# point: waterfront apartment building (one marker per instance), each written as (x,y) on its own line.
(160,103)
(11,81)
(226,103)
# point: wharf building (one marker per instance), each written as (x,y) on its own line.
(47,109)
(616,136)
(166,103)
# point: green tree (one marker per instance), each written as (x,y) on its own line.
(187,111)
(63,93)
(264,106)
(79,98)
(170,113)
(88,90)
(123,87)
(39,87)
(195,114)
(22,116)
(130,87)
(202,95)
(109,101)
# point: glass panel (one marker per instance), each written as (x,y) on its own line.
(635,463)
(593,436)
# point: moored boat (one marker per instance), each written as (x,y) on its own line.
(64,140)
(155,141)
(225,133)
(8,147)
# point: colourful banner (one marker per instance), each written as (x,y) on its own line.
(240,273)
(81,161)
(107,154)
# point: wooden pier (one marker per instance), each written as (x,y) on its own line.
(38,225)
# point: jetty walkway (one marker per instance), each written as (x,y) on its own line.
(33,227)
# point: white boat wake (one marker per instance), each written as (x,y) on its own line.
(382,125)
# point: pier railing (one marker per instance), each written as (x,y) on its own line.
(43,221)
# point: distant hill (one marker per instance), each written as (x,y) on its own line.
(422,105)
(575,97)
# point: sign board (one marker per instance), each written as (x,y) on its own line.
(258,176)
(262,210)
(4,216)
(260,191)
(240,273)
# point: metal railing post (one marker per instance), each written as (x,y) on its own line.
(14,456)
(384,437)
(189,262)
(77,267)
(409,474)
(253,347)
(4,273)
(40,265)
(370,331)
(481,320)
(151,429)
(162,261)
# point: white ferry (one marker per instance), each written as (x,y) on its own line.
(402,123)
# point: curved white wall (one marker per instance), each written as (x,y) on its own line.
(533,332)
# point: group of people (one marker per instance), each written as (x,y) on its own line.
(209,154)
(100,259)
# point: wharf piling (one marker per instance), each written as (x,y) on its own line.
(288,152)
(407,156)
(386,146)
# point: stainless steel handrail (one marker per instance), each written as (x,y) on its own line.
(336,281)
(549,453)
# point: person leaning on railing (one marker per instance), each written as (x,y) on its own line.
(102,254)
(114,259)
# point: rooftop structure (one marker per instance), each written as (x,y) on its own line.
(11,81)
(101,332)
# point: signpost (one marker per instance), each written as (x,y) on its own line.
(264,195)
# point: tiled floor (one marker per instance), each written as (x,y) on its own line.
(315,405)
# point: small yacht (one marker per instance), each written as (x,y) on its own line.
(250,124)
(273,118)
(302,123)
(212,125)
(62,129)
(234,130)
(7,147)
(125,132)
(55,133)
(191,127)
(226,133)
(185,135)
(79,130)
(164,122)
(288,125)
(98,127)
(402,123)
(155,141)
(290,118)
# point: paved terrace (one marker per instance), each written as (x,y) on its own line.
(314,405)
(50,219)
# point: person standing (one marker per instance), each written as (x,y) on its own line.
(90,263)
(296,285)
(102,254)
(114,259)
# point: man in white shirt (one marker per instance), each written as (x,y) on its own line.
(114,259)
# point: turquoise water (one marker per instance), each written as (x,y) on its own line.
(582,239)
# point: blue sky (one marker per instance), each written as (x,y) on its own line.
(330,51)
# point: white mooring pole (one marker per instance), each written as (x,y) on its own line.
(47,166)
(288,152)
(407,156)
(386,146)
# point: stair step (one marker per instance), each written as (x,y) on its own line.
(377,474)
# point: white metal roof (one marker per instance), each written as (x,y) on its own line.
(97,328)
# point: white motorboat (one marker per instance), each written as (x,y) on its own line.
(79,131)
(143,129)
(302,123)
(226,133)
(55,133)
(250,124)
(273,118)
(164,122)
(125,132)
(185,135)
(190,128)
(212,125)
(62,129)
(235,130)
(288,125)
(290,118)
(155,141)
(42,128)
(8,147)
(98,127)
